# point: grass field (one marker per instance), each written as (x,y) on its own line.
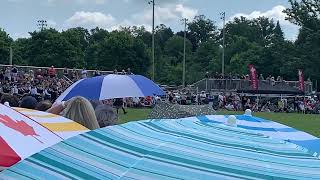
(303,122)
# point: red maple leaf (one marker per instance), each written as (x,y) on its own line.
(19,126)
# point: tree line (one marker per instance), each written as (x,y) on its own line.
(257,41)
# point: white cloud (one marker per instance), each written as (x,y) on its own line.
(186,12)
(276,13)
(90,20)
(51,23)
(77,1)
(165,14)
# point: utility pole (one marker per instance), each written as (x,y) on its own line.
(184,52)
(153,64)
(42,24)
(223,17)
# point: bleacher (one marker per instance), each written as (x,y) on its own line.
(243,86)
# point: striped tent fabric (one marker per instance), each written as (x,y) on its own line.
(169,149)
(272,129)
(63,127)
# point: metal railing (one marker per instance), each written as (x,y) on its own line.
(238,84)
(58,70)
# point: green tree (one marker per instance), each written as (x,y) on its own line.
(306,14)
(201,29)
(5,43)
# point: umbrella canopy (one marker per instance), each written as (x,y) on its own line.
(112,86)
(22,135)
(169,149)
(272,129)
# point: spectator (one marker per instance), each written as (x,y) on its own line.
(84,74)
(115,71)
(7,74)
(11,99)
(118,103)
(129,71)
(65,72)
(52,72)
(123,72)
(261,78)
(96,73)
(78,109)
(28,102)
(14,72)
(43,105)
(207,75)
(105,115)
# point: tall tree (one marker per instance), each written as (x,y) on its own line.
(306,14)
(202,29)
(5,43)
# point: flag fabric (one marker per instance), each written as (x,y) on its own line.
(301,80)
(22,135)
(186,148)
(253,77)
(63,127)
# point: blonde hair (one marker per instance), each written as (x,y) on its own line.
(81,111)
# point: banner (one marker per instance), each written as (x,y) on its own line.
(253,77)
(301,80)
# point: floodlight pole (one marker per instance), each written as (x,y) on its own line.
(42,24)
(184,53)
(223,14)
(153,63)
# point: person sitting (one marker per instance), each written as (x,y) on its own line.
(12,100)
(43,105)
(78,109)
(105,115)
(28,102)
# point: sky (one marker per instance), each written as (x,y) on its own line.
(18,17)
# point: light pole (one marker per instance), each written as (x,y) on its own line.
(223,17)
(184,52)
(153,72)
(42,24)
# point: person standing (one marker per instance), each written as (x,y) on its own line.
(52,72)
(84,74)
(118,103)
(14,73)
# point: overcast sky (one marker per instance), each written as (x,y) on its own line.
(18,17)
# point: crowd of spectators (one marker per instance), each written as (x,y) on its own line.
(238,102)
(43,84)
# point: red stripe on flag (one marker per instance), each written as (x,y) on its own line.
(8,156)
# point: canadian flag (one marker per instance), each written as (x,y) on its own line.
(253,77)
(8,156)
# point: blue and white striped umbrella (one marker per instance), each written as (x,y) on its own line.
(112,86)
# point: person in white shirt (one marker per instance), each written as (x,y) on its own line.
(84,73)
(14,90)
(34,91)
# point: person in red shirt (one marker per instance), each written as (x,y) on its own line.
(52,72)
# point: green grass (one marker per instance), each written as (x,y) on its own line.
(303,122)
(133,115)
